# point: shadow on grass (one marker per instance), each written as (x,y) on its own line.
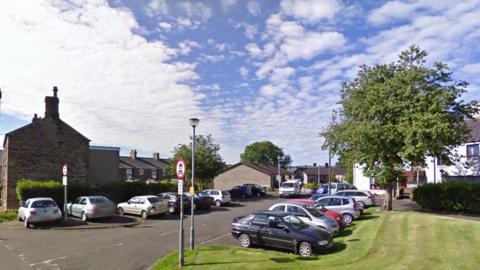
(217,262)
(367,217)
(345,232)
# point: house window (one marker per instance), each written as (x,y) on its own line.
(129,173)
(141,172)
(154,174)
(472,150)
(440,161)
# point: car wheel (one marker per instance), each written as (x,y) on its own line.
(218,203)
(144,214)
(361,205)
(304,249)
(19,218)
(347,218)
(26,224)
(120,211)
(245,240)
(84,217)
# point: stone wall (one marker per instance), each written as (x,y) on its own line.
(239,175)
(38,151)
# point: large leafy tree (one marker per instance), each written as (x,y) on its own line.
(265,153)
(208,162)
(395,115)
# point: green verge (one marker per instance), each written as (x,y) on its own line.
(7,216)
(396,240)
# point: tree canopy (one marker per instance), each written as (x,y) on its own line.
(394,115)
(208,162)
(265,153)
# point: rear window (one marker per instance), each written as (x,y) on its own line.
(154,199)
(346,201)
(288,185)
(43,204)
(313,211)
(98,200)
(225,193)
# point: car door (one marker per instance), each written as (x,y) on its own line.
(76,207)
(276,236)
(22,210)
(140,206)
(81,206)
(335,204)
(130,206)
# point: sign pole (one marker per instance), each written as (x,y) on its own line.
(180,171)
(65,183)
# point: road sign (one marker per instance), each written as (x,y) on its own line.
(65,170)
(64,180)
(180,186)
(180,169)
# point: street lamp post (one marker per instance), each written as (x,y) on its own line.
(194,123)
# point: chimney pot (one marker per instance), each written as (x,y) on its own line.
(156,156)
(133,153)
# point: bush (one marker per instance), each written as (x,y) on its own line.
(450,196)
(116,191)
(312,185)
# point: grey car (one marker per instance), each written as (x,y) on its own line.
(364,198)
(91,207)
(341,204)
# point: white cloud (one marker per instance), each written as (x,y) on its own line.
(471,68)
(254,8)
(312,44)
(250,31)
(196,9)
(165,26)
(227,4)
(243,71)
(311,11)
(253,50)
(156,7)
(114,86)
(183,23)
(186,46)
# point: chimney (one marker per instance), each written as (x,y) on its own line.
(51,105)
(133,154)
(314,164)
(156,156)
(326,164)
(35,118)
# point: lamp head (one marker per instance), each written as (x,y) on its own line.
(194,122)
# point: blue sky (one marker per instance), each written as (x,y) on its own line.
(131,73)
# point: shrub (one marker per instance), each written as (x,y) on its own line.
(312,185)
(450,196)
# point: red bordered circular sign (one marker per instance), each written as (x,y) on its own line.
(180,169)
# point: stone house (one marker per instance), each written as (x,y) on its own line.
(134,167)
(39,150)
(243,173)
(315,174)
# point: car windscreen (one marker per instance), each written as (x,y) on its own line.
(288,185)
(154,199)
(98,200)
(294,222)
(313,211)
(43,204)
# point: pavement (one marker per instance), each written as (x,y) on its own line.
(117,248)
(77,224)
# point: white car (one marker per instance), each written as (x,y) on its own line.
(289,188)
(364,198)
(144,206)
(219,197)
(38,210)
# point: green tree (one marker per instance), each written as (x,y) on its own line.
(394,115)
(265,153)
(208,162)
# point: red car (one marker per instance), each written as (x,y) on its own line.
(337,216)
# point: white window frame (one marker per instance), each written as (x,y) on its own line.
(141,172)
(154,174)
(129,173)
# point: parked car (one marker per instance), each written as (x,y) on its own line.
(341,204)
(91,207)
(289,188)
(173,200)
(219,197)
(335,215)
(256,190)
(364,198)
(239,192)
(280,230)
(308,214)
(38,210)
(144,206)
(335,187)
(202,201)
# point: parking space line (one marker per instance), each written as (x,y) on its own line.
(214,239)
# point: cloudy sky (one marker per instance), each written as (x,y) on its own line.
(131,73)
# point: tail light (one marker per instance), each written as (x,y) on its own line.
(94,209)
(33,212)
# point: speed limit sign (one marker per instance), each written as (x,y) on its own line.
(180,169)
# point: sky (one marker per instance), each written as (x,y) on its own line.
(131,73)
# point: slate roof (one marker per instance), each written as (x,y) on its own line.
(266,169)
(324,170)
(159,163)
(474,126)
(137,163)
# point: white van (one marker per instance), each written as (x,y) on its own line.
(289,188)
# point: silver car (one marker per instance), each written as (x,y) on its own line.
(341,204)
(90,207)
(37,210)
(144,206)
(364,198)
(309,215)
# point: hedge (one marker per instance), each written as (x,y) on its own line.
(116,191)
(451,197)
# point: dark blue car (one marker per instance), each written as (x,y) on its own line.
(239,192)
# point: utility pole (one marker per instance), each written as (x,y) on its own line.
(329,172)
(278,162)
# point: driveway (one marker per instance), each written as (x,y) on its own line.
(116,248)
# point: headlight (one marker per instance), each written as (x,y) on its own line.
(323,242)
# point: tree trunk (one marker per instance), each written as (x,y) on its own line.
(387,203)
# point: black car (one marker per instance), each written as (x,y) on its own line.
(280,230)
(256,190)
(239,192)
(202,201)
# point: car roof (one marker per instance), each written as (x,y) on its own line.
(353,190)
(272,213)
(40,199)
(335,196)
(145,196)
(291,203)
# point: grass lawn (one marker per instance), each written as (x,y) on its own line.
(7,216)
(396,240)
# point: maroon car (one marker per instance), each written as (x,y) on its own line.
(202,201)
